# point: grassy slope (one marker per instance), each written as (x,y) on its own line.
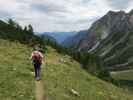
(59,78)
(17,81)
(125,79)
(123,75)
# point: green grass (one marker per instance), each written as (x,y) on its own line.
(123,75)
(16,78)
(59,78)
(124,78)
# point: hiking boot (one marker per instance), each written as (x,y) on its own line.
(37,78)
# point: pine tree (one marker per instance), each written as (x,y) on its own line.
(30,29)
(12,23)
(25,29)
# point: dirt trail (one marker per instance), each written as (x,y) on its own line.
(39,91)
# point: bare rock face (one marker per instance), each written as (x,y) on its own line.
(111,37)
(112,22)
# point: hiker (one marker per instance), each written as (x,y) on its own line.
(37,59)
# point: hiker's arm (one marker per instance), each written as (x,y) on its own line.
(42,58)
(31,56)
(42,62)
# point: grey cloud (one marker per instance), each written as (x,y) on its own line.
(86,1)
(76,22)
(119,4)
(53,12)
(60,14)
(4,14)
(47,8)
(23,19)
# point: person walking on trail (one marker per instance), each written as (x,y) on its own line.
(37,59)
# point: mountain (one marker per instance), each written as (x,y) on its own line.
(73,41)
(59,36)
(62,77)
(47,37)
(111,37)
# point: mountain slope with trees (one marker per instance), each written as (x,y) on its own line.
(73,41)
(47,37)
(61,76)
(111,38)
(59,36)
(11,30)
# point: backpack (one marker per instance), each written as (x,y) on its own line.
(37,58)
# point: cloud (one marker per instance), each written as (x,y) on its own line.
(119,4)
(4,14)
(47,8)
(59,15)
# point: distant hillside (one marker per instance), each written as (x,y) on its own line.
(47,37)
(60,36)
(111,37)
(73,41)
(62,77)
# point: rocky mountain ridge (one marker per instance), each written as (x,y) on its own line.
(111,37)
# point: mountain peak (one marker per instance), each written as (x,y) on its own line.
(116,12)
(111,12)
(111,31)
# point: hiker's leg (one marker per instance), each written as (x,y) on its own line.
(35,68)
(38,70)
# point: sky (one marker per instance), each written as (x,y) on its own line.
(59,15)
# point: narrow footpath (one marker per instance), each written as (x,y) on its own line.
(39,91)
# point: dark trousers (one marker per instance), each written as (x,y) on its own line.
(37,67)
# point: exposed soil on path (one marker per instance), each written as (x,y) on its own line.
(39,91)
